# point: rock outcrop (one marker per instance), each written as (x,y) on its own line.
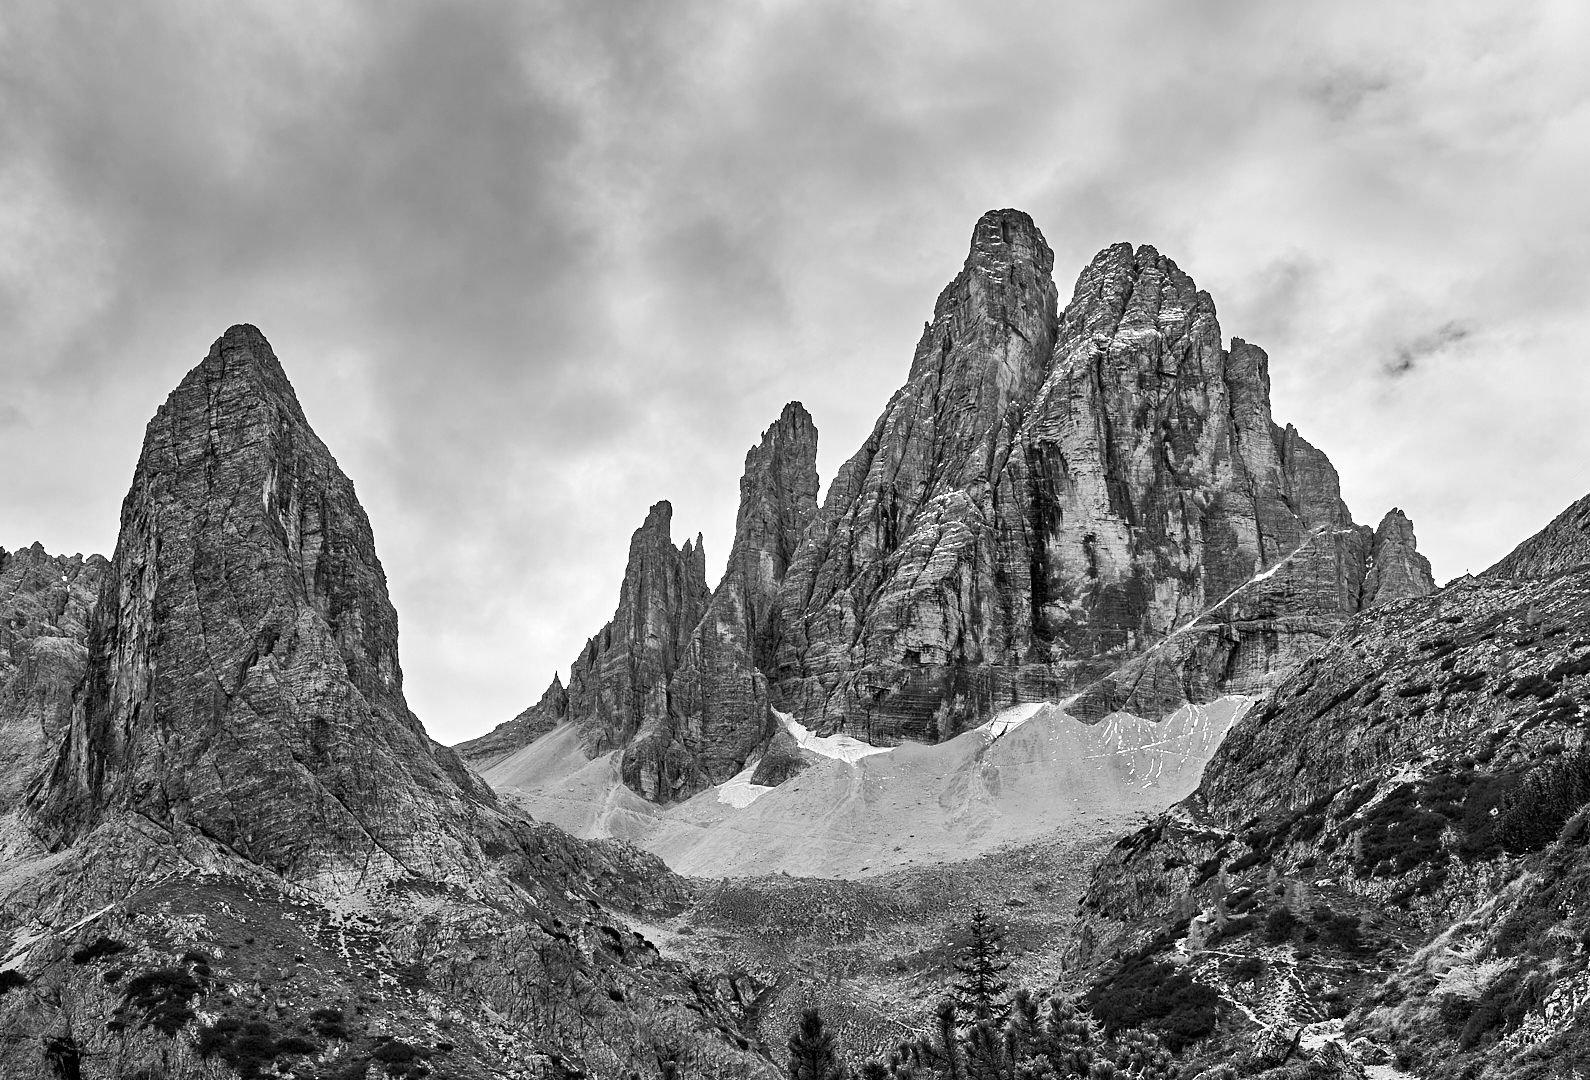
(1397,571)
(718,713)
(45,604)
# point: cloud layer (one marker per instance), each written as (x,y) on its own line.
(533,267)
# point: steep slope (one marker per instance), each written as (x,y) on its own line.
(1425,777)
(45,602)
(856,810)
(1562,545)
(242,783)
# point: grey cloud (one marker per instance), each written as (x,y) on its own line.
(533,267)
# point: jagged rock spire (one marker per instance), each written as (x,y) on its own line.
(243,680)
(619,684)
(718,712)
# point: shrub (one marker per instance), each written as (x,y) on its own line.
(1531,686)
(101,947)
(1156,996)
(11,980)
(1247,969)
(1279,924)
(164,997)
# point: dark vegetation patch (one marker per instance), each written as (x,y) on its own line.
(1567,669)
(163,997)
(65,1057)
(1157,997)
(11,980)
(1531,686)
(100,948)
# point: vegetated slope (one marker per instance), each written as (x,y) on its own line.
(1090,503)
(854,810)
(1423,784)
(877,954)
(246,852)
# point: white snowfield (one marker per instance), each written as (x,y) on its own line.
(860,809)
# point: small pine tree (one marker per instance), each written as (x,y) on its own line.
(811,1051)
(980,966)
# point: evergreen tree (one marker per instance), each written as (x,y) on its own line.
(811,1051)
(977,991)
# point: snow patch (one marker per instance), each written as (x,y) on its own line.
(1013,717)
(839,747)
(739,792)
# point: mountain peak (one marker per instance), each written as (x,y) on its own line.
(243,681)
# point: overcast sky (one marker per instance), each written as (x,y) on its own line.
(535,266)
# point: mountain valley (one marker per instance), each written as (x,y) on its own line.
(1080,639)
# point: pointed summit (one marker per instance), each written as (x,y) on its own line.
(243,680)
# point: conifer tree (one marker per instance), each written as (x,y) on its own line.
(978,989)
(811,1051)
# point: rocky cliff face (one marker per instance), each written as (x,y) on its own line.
(1091,500)
(619,685)
(240,782)
(718,713)
(44,614)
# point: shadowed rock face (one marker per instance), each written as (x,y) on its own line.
(242,657)
(718,711)
(44,613)
(618,687)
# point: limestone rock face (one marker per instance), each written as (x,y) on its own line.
(45,604)
(1397,570)
(718,711)
(915,583)
(522,730)
(619,685)
(242,676)
(1094,501)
